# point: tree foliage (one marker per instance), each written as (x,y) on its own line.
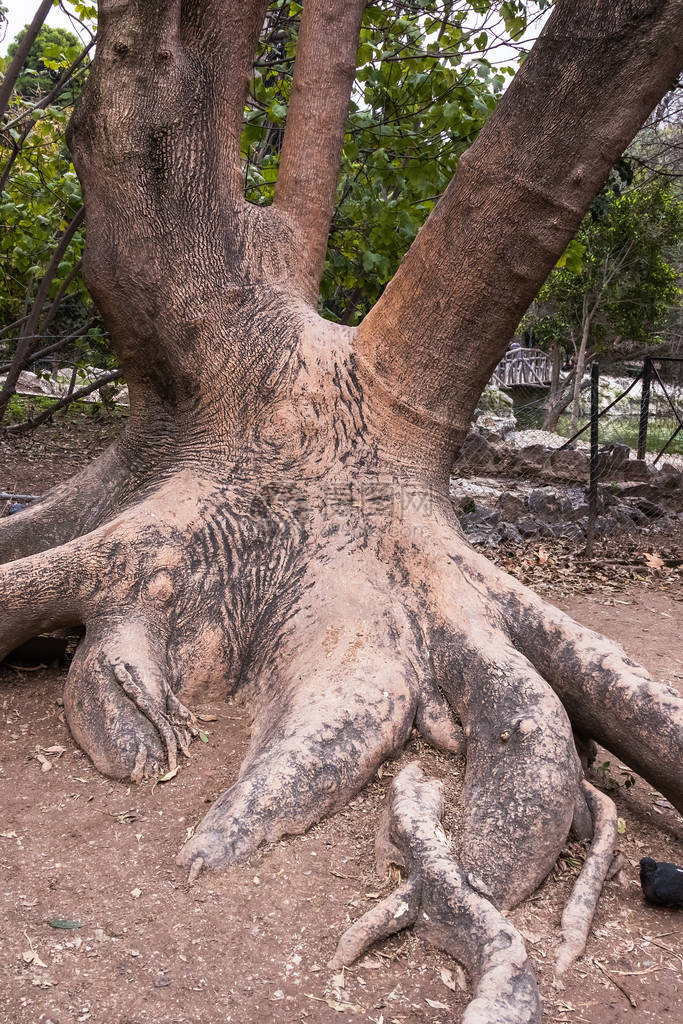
(53,50)
(621,265)
(428,76)
(41,194)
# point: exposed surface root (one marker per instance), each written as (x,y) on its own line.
(607,696)
(441,901)
(120,707)
(309,756)
(581,905)
(67,511)
(435,723)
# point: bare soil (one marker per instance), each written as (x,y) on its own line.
(252,943)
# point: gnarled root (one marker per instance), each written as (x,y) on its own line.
(580,909)
(448,909)
(120,706)
(321,733)
(67,511)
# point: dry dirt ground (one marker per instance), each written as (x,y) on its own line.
(251,944)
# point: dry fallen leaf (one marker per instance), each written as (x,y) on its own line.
(169,775)
(454,979)
(207,718)
(29,956)
(542,555)
(435,1005)
(653,560)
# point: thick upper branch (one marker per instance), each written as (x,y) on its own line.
(517,197)
(318,109)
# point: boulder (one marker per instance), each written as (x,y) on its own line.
(637,469)
(527,526)
(495,401)
(510,533)
(532,459)
(568,464)
(511,507)
(668,477)
(544,502)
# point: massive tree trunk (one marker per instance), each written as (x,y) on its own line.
(275,520)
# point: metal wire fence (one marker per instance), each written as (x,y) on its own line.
(622,469)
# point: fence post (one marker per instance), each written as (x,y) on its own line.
(593,478)
(644,407)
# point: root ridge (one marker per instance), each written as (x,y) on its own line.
(439,900)
(581,905)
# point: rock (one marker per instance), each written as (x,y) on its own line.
(619,454)
(649,508)
(510,533)
(570,465)
(527,526)
(497,427)
(668,477)
(511,507)
(480,516)
(637,469)
(495,401)
(569,531)
(532,457)
(544,501)
(473,447)
(624,519)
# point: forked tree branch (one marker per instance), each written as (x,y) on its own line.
(516,199)
(309,166)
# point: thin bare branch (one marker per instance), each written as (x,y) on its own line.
(25,344)
(59,86)
(19,59)
(83,392)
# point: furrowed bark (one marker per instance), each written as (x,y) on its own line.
(226,34)
(516,199)
(309,165)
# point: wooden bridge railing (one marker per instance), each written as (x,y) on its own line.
(528,366)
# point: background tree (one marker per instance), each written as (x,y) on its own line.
(52,50)
(45,309)
(276,520)
(613,293)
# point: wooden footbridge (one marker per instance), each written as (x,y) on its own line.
(523,368)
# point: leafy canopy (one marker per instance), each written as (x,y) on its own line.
(623,262)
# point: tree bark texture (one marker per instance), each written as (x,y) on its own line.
(275,521)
